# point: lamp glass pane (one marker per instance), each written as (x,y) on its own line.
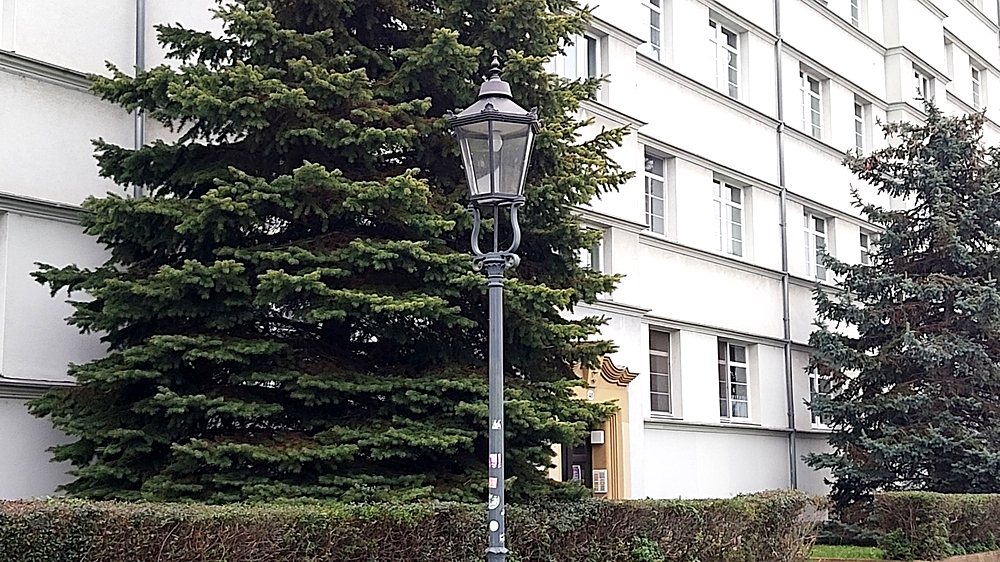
(509,143)
(514,157)
(474,139)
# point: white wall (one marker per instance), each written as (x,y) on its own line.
(46,132)
(46,139)
(36,341)
(80,35)
(25,467)
(693,462)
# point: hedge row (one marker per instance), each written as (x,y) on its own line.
(932,526)
(772,526)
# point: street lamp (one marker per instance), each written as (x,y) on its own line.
(495,135)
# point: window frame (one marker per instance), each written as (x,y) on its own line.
(816,270)
(667,376)
(592,258)
(728,367)
(812,112)
(923,84)
(654,46)
(649,176)
(865,243)
(855,13)
(580,53)
(725,241)
(726,58)
(818,384)
(862,120)
(978,98)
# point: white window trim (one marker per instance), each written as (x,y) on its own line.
(576,62)
(856,15)
(861,110)
(671,387)
(978,99)
(812,118)
(653,10)
(923,84)
(725,243)
(814,269)
(721,51)
(593,257)
(865,245)
(648,178)
(725,366)
(816,386)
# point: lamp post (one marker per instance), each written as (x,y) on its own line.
(495,135)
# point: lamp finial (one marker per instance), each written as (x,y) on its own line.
(495,66)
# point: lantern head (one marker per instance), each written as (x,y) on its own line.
(495,135)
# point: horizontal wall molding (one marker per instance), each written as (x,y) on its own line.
(593,217)
(970,51)
(657,241)
(674,151)
(829,14)
(611,114)
(20,65)
(26,389)
(666,424)
(718,331)
(40,208)
(704,90)
(615,307)
(830,74)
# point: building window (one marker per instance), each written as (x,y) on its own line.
(656,201)
(592,257)
(859,127)
(659,372)
(977,88)
(818,384)
(734,381)
(923,86)
(728,217)
(724,44)
(655,11)
(856,13)
(866,248)
(812,105)
(580,58)
(816,235)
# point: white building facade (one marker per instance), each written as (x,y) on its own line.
(47,168)
(740,114)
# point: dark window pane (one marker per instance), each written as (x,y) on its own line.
(660,341)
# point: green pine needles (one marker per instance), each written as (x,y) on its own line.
(911,345)
(291,309)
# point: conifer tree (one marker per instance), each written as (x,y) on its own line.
(291,310)
(911,344)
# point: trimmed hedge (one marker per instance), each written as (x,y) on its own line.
(772,526)
(932,526)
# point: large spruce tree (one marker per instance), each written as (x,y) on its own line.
(911,343)
(291,309)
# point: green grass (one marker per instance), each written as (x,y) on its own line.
(835,551)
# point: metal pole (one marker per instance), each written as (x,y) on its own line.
(495,264)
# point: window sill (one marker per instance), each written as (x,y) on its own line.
(739,421)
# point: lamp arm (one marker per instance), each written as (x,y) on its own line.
(515,227)
(477,221)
